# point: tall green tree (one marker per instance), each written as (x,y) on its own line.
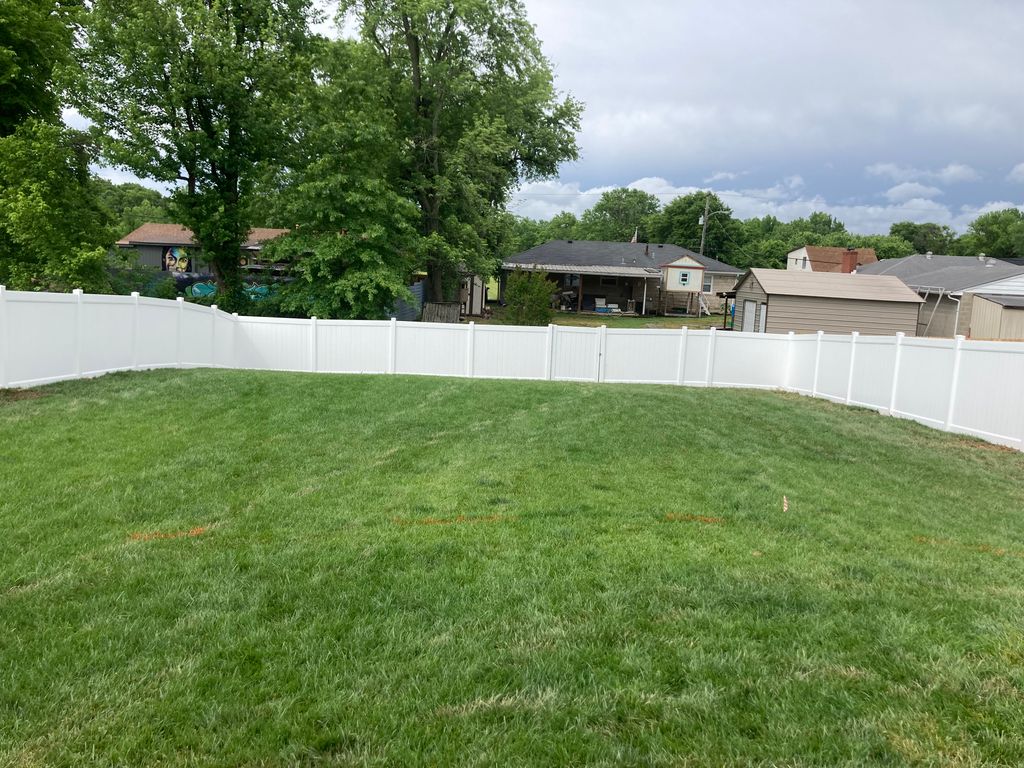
(131,205)
(354,241)
(195,93)
(563,226)
(679,223)
(474,101)
(619,215)
(925,237)
(999,234)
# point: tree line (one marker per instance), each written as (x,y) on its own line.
(620,214)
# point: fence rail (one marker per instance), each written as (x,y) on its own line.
(968,387)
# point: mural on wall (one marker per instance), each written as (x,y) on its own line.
(202,290)
(175,259)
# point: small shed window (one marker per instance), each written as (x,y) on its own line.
(707,283)
(684,277)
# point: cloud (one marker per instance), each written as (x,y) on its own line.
(911,190)
(1017,174)
(723,176)
(951,174)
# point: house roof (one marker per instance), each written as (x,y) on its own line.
(829,259)
(833,285)
(570,255)
(152,233)
(627,271)
(1018,262)
(948,273)
(1010,302)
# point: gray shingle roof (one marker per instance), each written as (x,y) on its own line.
(948,273)
(599,253)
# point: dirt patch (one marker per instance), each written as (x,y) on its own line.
(14,395)
(458,520)
(672,518)
(985,549)
(158,535)
(981,445)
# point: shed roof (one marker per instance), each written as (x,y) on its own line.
(948,273)
(569,255)
(1010,302)
(152,233)
(833,285)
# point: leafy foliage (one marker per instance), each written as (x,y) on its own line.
(192,91)
(528,299)
(679,223)
(52,233)
(926,237)
(131,205)
(619,215)
(999,234)
(472,97)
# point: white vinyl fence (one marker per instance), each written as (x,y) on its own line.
(970,387)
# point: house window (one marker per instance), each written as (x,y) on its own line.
(684,277)
(707,284)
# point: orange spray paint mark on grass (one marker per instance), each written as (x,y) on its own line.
(453,520)
(191,533)
(693,519)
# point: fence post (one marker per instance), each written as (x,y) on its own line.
(213,335)
(470,343)
(681,361)
(549,353)
(135,330)
(817,364)
(958,344)
(312,345)
(181,322)
(600,353)
(787,375)
(234,340)
(896,373)
(78,332)
(4,339)
(709,371)
(853,358)
(392,344)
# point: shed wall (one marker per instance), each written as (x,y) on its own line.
(750,291)
(804,314)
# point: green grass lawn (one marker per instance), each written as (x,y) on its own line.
(235,568)
(618,321)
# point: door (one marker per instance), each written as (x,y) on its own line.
(749,310)
(764,318)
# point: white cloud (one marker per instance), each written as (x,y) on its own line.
(723,176)
(950,174)
(911,190)
(1017,174)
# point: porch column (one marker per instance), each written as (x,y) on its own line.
(643,309)
(579,297)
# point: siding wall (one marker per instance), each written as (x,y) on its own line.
(994,321)
(750,291)
(804,314)
(945,323)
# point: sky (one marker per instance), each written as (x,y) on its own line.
(872,110)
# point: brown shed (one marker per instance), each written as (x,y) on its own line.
(779,301)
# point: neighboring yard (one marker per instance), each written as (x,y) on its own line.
(618,321)
(240,568)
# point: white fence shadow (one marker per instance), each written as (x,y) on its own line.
(969,387)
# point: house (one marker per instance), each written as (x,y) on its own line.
(948,285)
(631,277)
(816,258)
(780,300)
(172,248)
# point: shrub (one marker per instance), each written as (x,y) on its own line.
(528,299)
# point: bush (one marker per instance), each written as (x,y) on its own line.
(528,299)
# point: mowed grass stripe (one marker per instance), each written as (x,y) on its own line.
(240,568)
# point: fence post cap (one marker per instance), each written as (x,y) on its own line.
(312,317)
(180,299)
(77,291)
(854,334)
(213,307)
(135,294)
(900,334)
(960,338)
(234,314)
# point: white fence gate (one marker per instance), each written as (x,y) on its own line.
(970,387)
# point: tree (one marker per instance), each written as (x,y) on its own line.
(194,92)
(563,226)
(528,299)
(355,241)
(679,223)
(473,99)
(131,205)
(936,238)
(35,40)
(53,235)
(619,215)
(999,234)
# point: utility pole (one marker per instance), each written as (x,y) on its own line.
(704,230)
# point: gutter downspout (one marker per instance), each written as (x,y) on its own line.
(956,321)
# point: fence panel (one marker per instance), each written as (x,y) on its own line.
(223,339)
(834,367)
(695,361)
(642,356)
(41,337)
(157,342)
(802,354)
(750,360)
(510,352)
(873,372)
(925,378)
(197,334)
(273,344)
(575,355)
(105,345)
(432,349)
(353,346)
(989,402)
